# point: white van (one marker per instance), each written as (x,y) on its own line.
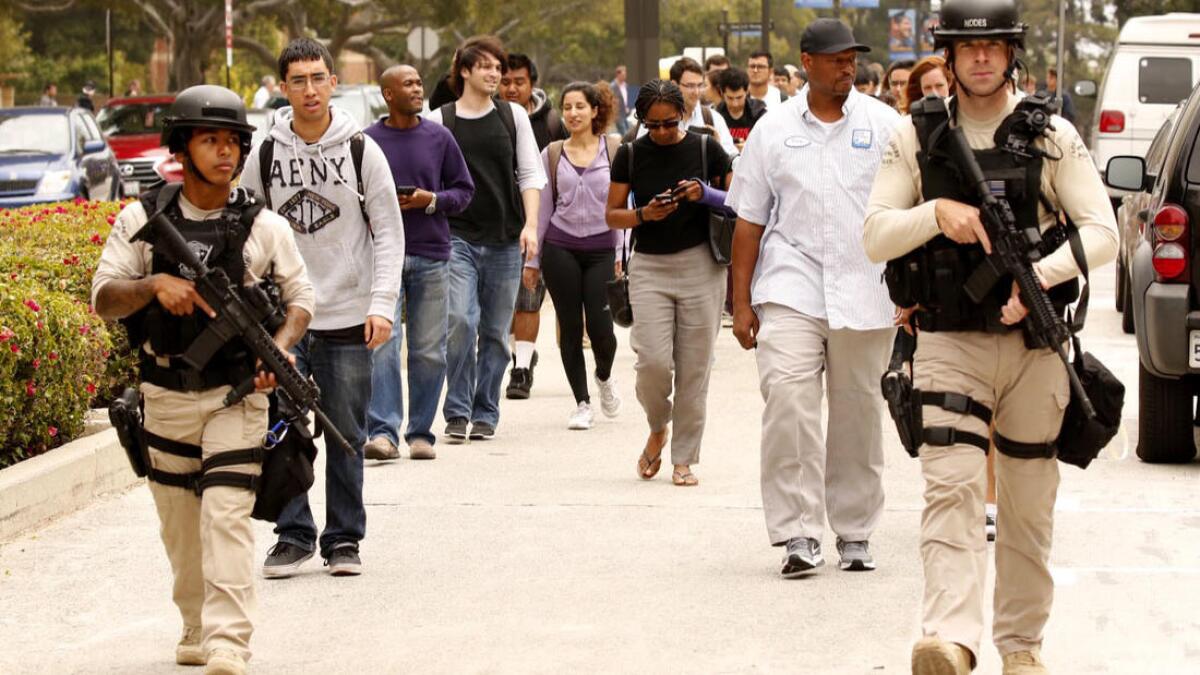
(1153,67)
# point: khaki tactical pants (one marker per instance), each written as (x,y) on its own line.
(209,540)
(806,472)
(1028,392)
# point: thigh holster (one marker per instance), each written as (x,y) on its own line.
(1021,450)
(957,403)
(199,481)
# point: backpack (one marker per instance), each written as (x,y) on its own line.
(450,118)
(266,155)
(554,153)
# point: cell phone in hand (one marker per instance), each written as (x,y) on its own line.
(665,197)
(678,192)
(406,190)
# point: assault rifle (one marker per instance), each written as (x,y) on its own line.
(237,318)
(1013,251)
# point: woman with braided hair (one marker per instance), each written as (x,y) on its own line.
(676,289)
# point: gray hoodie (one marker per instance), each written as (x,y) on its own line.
(314,187)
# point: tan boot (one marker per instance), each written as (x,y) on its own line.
(931,656)
(225,662)
(188,652)
(1024,663)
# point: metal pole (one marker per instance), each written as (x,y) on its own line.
(725,30)
(766,25)
(837,9)
(108,45)
(1060,64)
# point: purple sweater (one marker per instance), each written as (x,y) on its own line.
(428,157)
(576,222)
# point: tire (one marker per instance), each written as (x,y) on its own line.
(1127,310)
(1165,419)
(1122,286)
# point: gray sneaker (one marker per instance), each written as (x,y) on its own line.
(421,449)
(482,431)
(456,429)
(855,556)
(803,557)
(284,560)
(381,447)
(344,562)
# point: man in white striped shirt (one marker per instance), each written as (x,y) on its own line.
(808,298)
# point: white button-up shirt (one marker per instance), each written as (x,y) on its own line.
(807,182)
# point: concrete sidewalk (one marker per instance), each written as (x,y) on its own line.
(541,551)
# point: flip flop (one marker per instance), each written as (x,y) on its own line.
(684,479)
(648,468)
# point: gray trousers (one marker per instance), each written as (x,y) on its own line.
(676,300)
(806,474)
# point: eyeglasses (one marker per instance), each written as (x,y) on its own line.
(301,83)
(692,87)
(665,124)
(757,66)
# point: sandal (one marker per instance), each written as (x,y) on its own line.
(684,479)
(648,468)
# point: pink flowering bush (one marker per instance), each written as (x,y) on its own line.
(57,357)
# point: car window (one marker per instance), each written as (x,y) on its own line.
(379,106)
(133,118)
(90,128)
(1158,147)
(34,134)
(79,131)
(1164,80)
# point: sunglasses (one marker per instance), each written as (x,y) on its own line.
(662,125)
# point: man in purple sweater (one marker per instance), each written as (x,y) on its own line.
(432,181)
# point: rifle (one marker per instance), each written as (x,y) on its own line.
(1013,251)
(898,390)
(239,319)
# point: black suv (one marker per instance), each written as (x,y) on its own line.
(1162,294)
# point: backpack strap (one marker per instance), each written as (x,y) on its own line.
(357,147)
(706,115)
(554,125)
(704,158)
(510,123)
(554,153)
(266,155)
(449,115)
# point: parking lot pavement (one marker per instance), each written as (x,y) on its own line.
(541,551)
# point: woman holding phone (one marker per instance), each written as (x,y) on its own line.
(676,289)
(576,255)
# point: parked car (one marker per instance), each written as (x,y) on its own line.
(364,102)
(133,126)
(1164,280)
(53,154)
(1153,67)
(1132,218)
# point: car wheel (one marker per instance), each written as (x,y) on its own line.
(1127,309)
(1122,285)
(1165,419)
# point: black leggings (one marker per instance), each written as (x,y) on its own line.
(576,281)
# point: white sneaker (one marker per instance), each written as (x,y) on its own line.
(581,418)
(610,400)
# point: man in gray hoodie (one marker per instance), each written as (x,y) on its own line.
(335,188)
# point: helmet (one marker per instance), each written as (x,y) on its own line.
(978,19)
(208,106)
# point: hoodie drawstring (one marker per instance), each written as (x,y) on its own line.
(337,177)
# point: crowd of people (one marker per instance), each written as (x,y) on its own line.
(448,229)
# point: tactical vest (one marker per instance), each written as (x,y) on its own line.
(219,243)
(933,275)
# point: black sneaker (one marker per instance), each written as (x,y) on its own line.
(456,429)
(344,562)
(482,431)
(284,560)
(803,557)
(520,380)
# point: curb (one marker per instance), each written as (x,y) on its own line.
(61,481)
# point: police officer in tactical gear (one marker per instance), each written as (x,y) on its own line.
(974,364)
(204,457)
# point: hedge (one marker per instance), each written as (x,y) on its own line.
(57,357)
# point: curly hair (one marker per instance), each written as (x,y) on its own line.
(658,91)
(599,97)
(912,92)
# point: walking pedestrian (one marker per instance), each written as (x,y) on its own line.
(204,511)
(334,186)
(739,110)
(1067,109)
(676,289)
(49,97)
(713,67)
(86,98)
(576,256)
(266,91)
(924,220)
(134,89)
(761,68)
(697,116)
(432,182)
(620,88)
(896,79)
(490,240)
(519,85)
(813,307)
(929,76)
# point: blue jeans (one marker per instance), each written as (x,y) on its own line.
(424,291)
(343,373)
(483,292)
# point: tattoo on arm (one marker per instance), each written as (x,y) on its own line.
(119,298)
(293,327)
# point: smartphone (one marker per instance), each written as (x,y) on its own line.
(665,197)
(406,190)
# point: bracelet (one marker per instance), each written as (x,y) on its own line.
(638,213)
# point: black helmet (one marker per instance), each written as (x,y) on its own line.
(209,106)
(978,19)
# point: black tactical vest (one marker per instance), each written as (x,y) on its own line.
(934,274)
(219,243)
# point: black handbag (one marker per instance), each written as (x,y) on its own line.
(720,225)
(287,471)
(1081,438)
(617,290)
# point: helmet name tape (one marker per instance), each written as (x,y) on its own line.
(975,23)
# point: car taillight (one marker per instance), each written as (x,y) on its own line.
(1170,226)
(1112,121)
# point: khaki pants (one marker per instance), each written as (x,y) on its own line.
(804,472)
(209,541)
(1028,392)
(676,300)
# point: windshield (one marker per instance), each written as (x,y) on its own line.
(32,134)
(133,118)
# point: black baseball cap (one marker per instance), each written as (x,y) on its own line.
(829,36)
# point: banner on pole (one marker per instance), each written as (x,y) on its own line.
(902,34)
(228,33)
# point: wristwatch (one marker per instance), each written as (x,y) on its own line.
(429,210)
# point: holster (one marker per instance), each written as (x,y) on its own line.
(904,403)
(125,414)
